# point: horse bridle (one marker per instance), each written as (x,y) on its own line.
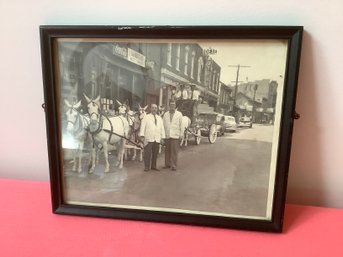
(94,113)
(77,115)
(141,114)
(78,118)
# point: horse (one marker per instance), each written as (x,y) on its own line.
(106,131)
(136,119)
(125,112)
(77,125)
(185,124)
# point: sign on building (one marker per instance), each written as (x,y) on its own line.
(129,54)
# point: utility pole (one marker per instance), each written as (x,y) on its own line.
(254,107)
(236,85)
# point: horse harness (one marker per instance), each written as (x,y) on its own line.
(110,132)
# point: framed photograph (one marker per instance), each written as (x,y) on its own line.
(189,125)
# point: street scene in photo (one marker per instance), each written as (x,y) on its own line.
(181,126)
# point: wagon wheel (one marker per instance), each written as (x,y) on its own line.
(212,135)
(197,136)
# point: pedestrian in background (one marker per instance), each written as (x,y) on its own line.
(151,133)
(172,124)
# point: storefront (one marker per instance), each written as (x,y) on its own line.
(170,84)
(264,115)
(115,72)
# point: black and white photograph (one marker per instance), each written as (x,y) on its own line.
(176,125)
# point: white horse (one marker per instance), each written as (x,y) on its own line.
(130,119)
(125,112)
(136,119)
(76,127)
(185,124)
(106,131)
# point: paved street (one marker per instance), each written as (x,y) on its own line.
(230,176)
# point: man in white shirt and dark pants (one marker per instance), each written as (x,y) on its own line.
(151,133)
(172,124)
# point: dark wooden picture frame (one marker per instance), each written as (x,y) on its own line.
(50,36)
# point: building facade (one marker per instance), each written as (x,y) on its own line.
(258,99)
(185,65)
(109,70)
(136,73)
(225,100)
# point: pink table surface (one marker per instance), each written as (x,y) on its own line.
(28,228)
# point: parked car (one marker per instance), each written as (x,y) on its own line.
(245,121)
(230,124)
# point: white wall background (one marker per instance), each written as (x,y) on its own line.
(316,173)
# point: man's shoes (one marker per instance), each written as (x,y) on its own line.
(146,169)
(174,168)
(166,167)
(155,169)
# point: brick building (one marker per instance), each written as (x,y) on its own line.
(184,64)
(136,73)
(225,100)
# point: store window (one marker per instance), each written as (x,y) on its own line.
(137,91)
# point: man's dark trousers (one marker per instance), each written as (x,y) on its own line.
(171,151)
(150,155)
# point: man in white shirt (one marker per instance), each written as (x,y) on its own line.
(151,133)
(172,124)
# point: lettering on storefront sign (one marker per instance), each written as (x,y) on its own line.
(129,54)
(210,51)
(121,51)
(135,57)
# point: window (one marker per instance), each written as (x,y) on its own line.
(186,60)
(200,68)
(178,50)
(192,64)
(169,54)
(213,87)
(217,82)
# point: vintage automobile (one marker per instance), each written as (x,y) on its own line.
(245,121)
(230,124)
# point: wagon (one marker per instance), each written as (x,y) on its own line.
(203,125)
